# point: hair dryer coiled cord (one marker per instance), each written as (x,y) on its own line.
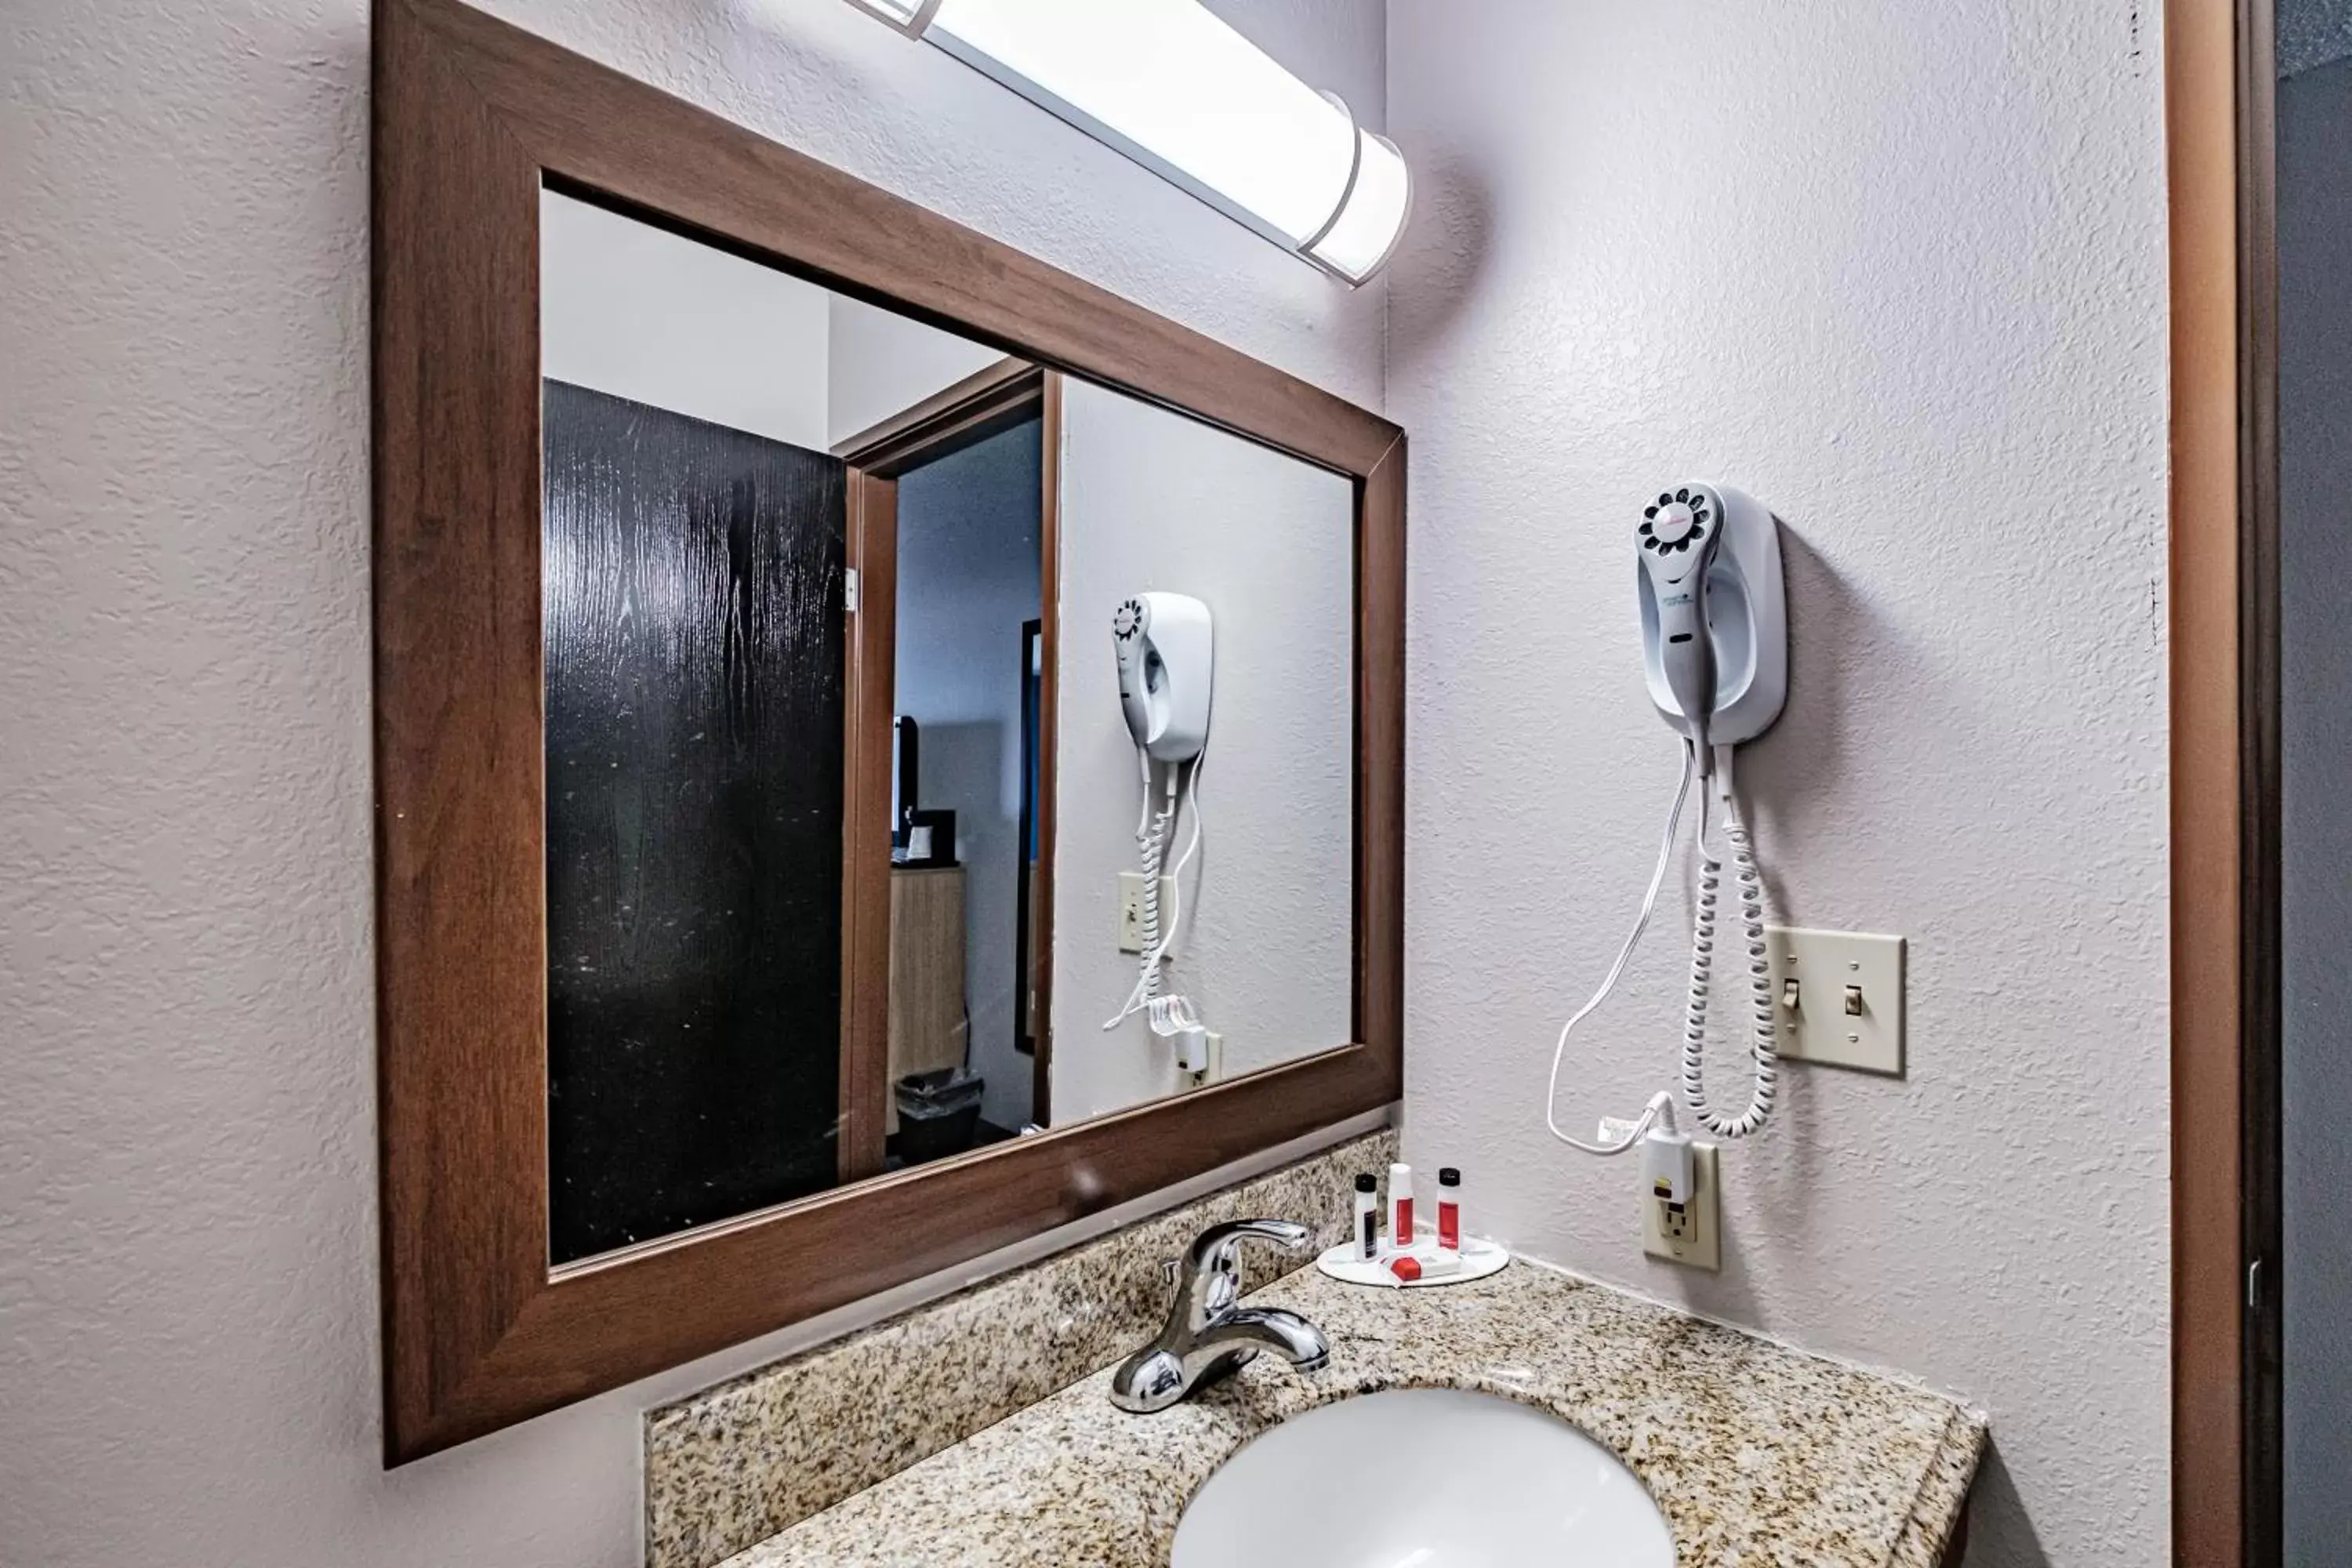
(1169,1015)
(1749,880)
(1152,840)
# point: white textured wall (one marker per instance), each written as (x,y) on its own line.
(637,311)
(188,1183)
(1153,500)
(1900,271)
(883,364)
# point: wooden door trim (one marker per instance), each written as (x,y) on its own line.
(2262,1016)
(987,403)
(472,118)
(992,398)
(2224,776)
(1049,719)
(873,632)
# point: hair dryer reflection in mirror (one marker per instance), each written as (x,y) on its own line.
(1165,648)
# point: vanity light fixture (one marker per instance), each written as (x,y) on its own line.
(1174,88)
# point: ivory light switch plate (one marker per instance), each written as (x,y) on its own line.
(1130,907)
(1838,996)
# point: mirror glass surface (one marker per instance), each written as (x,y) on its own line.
(708,423)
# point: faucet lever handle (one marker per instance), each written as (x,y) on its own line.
(1216,1246)
(1209,1281)
(1207,1333)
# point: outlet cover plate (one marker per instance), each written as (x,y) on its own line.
(1130,907)
(1825,964)
(1694,1237)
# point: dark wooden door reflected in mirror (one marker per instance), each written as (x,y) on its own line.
(693,616)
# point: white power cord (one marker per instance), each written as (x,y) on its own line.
(1659,1113)
(1660,1103)
(1169,1015)
(1151,839)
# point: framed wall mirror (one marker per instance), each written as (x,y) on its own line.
(791,610)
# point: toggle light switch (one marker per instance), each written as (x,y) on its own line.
(1865,969)
(1130,907)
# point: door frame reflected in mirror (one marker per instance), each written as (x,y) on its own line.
(472,118)
(990,401)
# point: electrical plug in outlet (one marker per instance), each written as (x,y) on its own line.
(1688,1233)
(1130,909)
(1215,1068)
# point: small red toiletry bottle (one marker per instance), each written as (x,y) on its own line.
(1400,1207)
(1449,1209)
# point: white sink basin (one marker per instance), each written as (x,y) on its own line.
(1424,1477)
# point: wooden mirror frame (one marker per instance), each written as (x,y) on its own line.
(472,117)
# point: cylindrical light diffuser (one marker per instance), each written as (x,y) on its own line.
(1175,88)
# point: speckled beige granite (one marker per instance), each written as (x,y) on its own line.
(735,1464)
(1755,1454)
(1943,1494)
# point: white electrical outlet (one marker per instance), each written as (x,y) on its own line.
(1838,996)
(1130,909)
(1690,1234)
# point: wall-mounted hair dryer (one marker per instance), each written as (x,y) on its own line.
(1715,653)
(1164,643)
(1715,628)
(1164,647)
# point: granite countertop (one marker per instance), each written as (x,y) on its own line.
(1756,1453)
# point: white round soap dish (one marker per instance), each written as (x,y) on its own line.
(1478,1260)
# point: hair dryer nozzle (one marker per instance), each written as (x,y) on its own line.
(1677,540)
(1165,670)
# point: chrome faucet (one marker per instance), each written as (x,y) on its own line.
(1206,1335)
